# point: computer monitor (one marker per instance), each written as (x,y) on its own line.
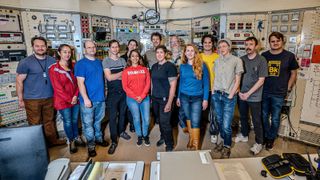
(23,153)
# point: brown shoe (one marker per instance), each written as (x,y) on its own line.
(196,139)
(225,153)
(218,147)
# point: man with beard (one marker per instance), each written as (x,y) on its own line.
(282,69)
(255,71)
(35,91)
(150,55)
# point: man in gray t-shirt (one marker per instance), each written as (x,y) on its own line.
(255,71)
(116,98)
(35,91)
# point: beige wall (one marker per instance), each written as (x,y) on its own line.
(98,7)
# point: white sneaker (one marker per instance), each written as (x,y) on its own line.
(214,139)
(256,148)
(241,138)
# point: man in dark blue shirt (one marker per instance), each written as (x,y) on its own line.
(282,75)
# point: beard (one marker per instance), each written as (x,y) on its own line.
(40,53)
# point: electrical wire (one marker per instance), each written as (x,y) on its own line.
(142,4)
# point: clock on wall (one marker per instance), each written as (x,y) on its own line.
(152,16)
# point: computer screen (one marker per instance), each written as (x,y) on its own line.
(23,153)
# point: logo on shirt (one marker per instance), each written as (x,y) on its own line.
(274,68)
(136,72)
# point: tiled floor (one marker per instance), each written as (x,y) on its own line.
(128,151)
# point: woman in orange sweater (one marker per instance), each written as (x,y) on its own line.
(136,84)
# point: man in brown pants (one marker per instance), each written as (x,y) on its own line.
(35,91)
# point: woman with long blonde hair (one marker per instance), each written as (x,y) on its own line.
(193,92)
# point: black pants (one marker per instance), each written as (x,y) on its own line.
(255,108)
(158,105)
(116,105)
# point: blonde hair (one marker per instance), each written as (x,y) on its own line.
(197,62)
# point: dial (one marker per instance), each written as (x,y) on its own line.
(152,16)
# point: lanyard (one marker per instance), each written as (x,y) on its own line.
(44,74)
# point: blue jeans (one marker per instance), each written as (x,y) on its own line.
(271,105)
(224,108)
(92,118)
(192,107)
(70,121)
(136,109)
(182,118)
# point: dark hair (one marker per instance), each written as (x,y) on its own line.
(278,35)
(140,62)
(113,41)
(211,38)
(156,34)
(59,57)
(132,40)
(252,38)
(164,48)
(38,38)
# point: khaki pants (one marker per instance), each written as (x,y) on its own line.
(41,111)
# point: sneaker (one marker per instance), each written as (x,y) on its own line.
(139,142)
(256,148)
(112,148)
(125,136)
(214,139)
(160,142)
(146,141)
(79,142)
(102,143)
(241,138)
(132,128)
(225,153)
(92,152)
(169,149)
(218,148)
(269,144)
(72,147)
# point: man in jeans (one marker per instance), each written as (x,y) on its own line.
(255,71)
(35,91)
(89,73)
(228,70)
(116,102)
(282,69)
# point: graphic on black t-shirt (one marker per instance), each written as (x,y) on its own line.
(274,68)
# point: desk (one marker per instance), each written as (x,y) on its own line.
(253,167)
(122,170)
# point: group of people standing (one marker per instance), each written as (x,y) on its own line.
(182,79)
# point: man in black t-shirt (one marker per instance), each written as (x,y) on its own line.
(282,70)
